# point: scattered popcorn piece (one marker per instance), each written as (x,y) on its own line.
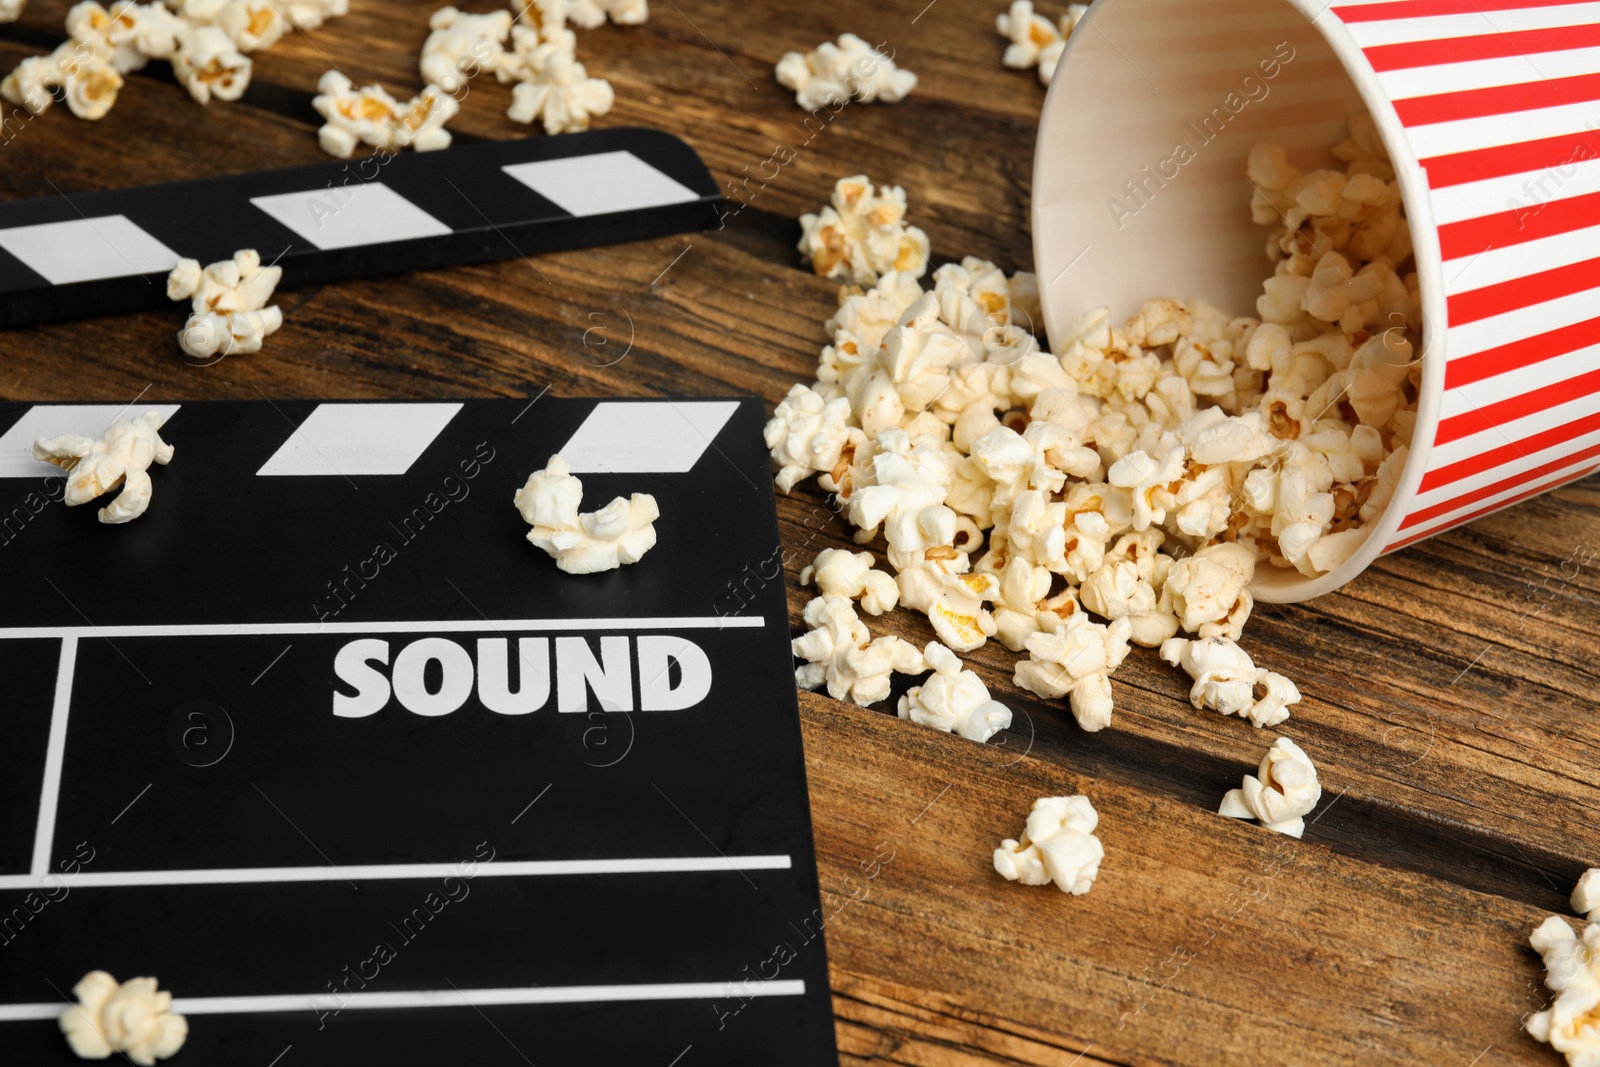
(1280,794)
(546,18)
(208,64)
(621,532)
(371,116)
(1035,41)
(954,700)
(11,10)
(554,88)
(1227,681)
(841,654)
(807,434)
(1586,895)
(311,14)
(462,46)
(860,235)
(253,25)
(1076,661)
(228,299)
(1572,973)
(121,456)
(851,575)
(134,1018)
(1058,845)
(591,13)
(837,72)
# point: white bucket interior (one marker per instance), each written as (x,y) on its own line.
(1139,178)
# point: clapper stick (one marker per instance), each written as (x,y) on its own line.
(91,253)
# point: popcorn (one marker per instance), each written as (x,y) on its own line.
(850,575)
(462,46)
(253,25)
(1058,845)
(841,654)
(859,236)
(371,116)
(134,1018)
(621,532)
(954,700)
(1076,660)
(1586,895)
(11,10)
(1209,589)
(835,73)
(1283,794)
(592,13)
(953,603)
(554,88)
(1142,473)
(121,456)
(1226,680)
(1572,972)
(228,299)
(807,434)
(207,63)
(1035,42)
(311,14)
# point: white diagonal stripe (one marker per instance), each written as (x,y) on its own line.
(663,437)
(86,250)
(601,183)
(1487,73)
(345,440)
(1471,24)
(54,420)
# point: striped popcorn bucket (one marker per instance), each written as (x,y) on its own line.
(1490,110)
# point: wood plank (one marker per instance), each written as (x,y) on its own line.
(1448,692)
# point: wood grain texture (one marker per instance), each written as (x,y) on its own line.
(1449,692)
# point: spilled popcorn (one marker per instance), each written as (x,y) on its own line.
(591,13)
(207,42)
(11,10)
(842,655)
(621,532)
(851,575)
(1280,794)
(1058,845)
(133,1018)
(837,72)
(121,456)
(1124,490)
(229,304)
(1571,1024)
(462,46)
(1226,681)
(371,116)
(954,700)
(859,237)
(1586,895)
(1036,42)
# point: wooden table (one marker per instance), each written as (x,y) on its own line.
(1448,691)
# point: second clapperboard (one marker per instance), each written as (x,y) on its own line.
(99,252)
(324,744)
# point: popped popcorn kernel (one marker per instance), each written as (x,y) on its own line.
(1058,846)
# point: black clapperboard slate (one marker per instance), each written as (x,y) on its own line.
(592,875)
(100,252)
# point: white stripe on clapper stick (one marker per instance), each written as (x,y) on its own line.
(451,998)
(395,871)
(44,835)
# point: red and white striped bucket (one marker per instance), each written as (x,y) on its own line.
(1490,110)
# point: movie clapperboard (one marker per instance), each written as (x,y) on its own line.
(325,745)
(100,252)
